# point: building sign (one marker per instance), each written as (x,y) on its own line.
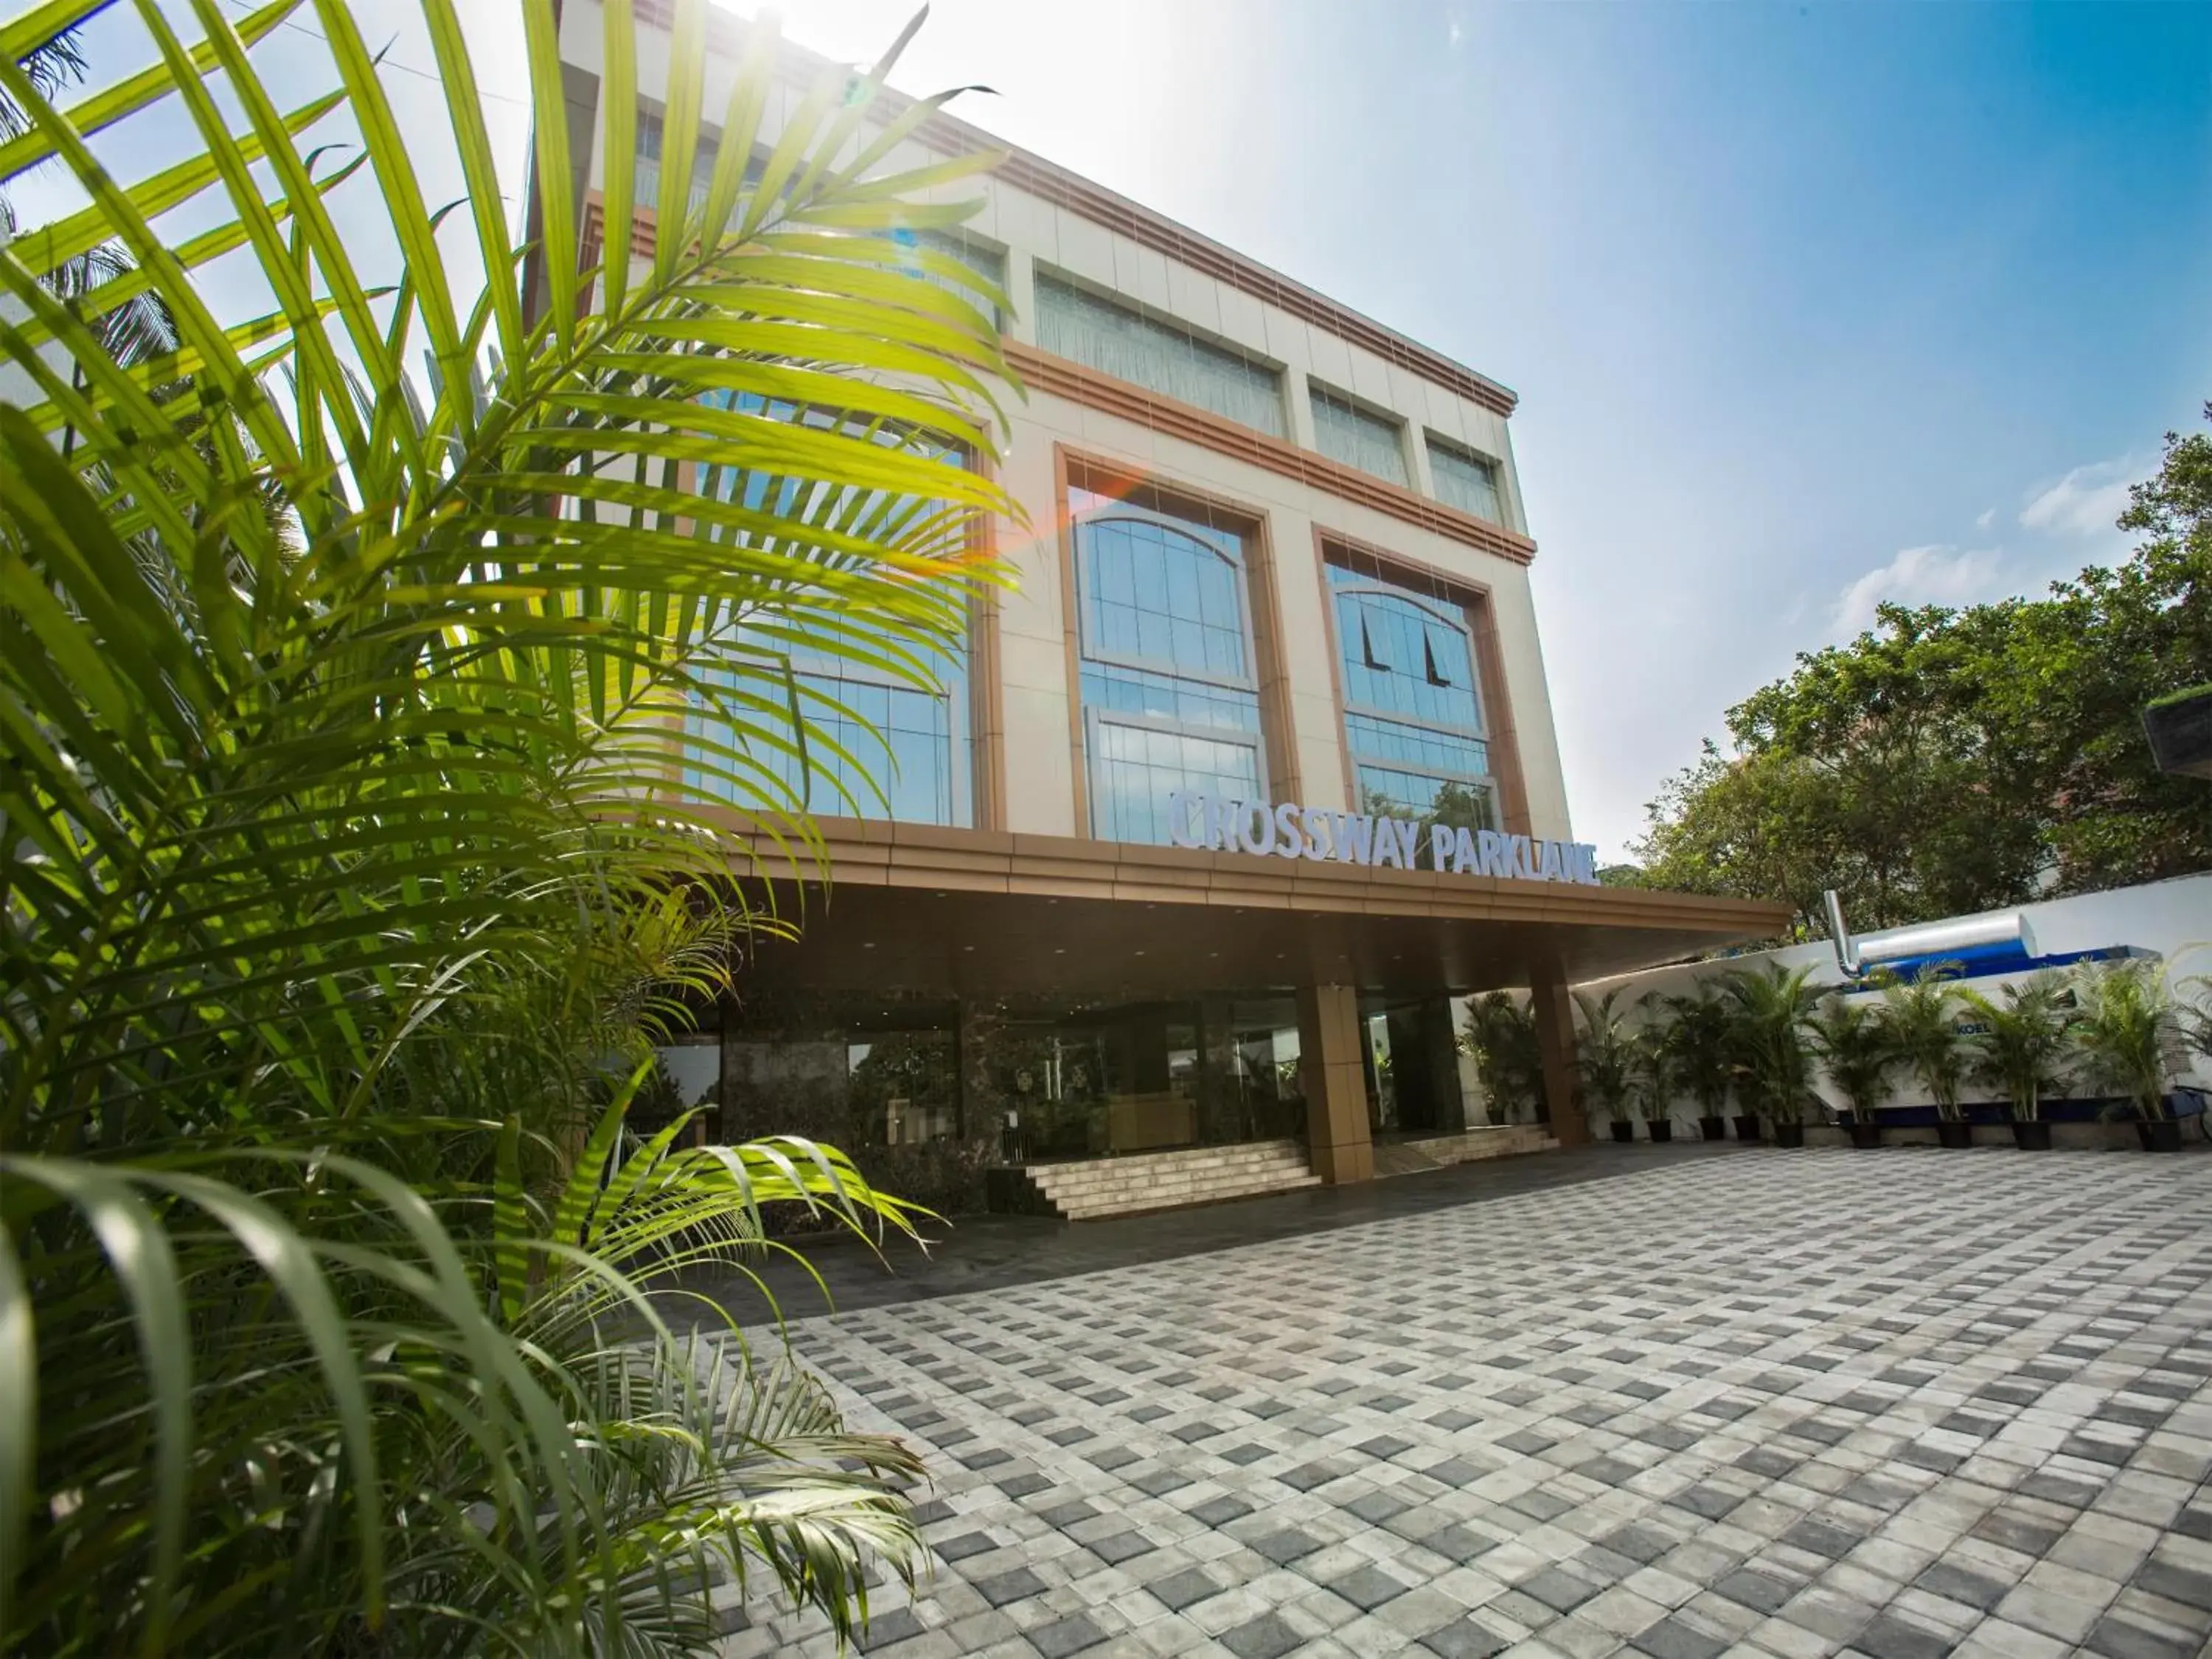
(1289,831)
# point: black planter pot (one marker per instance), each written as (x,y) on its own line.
(1663,1131)
(1747,1129)
(1863,1134)
(1789,1134)
(2162,1135)
(1955,1133)
(2031,1135)
(2142,1133)
(1713,1128)
(2180,734)
(1623,1133)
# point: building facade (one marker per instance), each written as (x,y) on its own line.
(1246,782)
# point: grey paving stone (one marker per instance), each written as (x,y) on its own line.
(1468,1638)
(1750,1430)
(1266,1638)
(1670,1639)
(2116,1638)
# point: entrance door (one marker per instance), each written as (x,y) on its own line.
(1409,1052)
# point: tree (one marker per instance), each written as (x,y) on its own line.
(1949,760)
(2022,1046)
(1698,1030)
(1858,1048)
(334,873)
(1501,1037)
(1605,1053)
(1923,1016)
(1769,1007)
(2128,1031)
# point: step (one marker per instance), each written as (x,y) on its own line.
(1208,1196)
(1067,1173)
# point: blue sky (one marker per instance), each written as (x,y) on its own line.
(1806,304)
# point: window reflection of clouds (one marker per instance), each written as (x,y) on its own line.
(904,741)
(1166,679)
(1413,713)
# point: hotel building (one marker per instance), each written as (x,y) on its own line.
(1277,558)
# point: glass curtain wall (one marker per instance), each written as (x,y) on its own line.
(1413,709)
(878,745)
(1164,357)
(1032,1078)
(1170,697)
(1346,432)
(1465,480)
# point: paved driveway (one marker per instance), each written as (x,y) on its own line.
(1892,1404)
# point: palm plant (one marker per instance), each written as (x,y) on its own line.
(2127,1031)
(2022,1045)
(1857,1047)
(1923,1016)
(1605,1055)
(339,858)
(1501,1037)
(1697,1032)
(1653,1074)
(1769,1008)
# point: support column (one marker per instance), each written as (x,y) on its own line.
(1335,1089)
(1555,1040)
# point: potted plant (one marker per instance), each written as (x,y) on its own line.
(1769,1009)
(1921,1013)
(1605,1059)
(1856,1043)
(2127,1034)
(1651,1076)
(1698,1034)
(2019,1048)
(1501,1038)
(2180,727)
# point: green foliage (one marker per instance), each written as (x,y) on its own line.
(1501,1035)
(1769,1008)
(2127,1031)
(1700,1038)
(1858,1047)
(1654,1073)
(1606,1055)
(2022,1046)
(1921,1014)
(326,898)
(1949,760)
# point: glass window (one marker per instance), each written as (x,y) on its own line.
(645,191)
(1465,480)
(1412,713)
(1347,433)
(1170,700)
(987,262)
(873,745)
(1162,356)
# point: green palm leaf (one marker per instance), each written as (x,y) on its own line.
(344,846)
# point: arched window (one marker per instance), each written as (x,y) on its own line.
(1170,700)
(1412,708)
(877,745)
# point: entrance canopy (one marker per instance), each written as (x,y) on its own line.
(970,912)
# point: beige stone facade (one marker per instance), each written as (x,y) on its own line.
(1359,480)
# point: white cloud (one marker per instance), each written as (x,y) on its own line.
(1989,516)
(2083,503)
(1453,34)
(1936,574)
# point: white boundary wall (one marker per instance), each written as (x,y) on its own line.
(2171,918)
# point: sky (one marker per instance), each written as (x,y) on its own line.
(1807,306)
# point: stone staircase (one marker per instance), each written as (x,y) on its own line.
(1395,1158)
(1130,1185)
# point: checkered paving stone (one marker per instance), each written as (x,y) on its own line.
(1790,1404)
